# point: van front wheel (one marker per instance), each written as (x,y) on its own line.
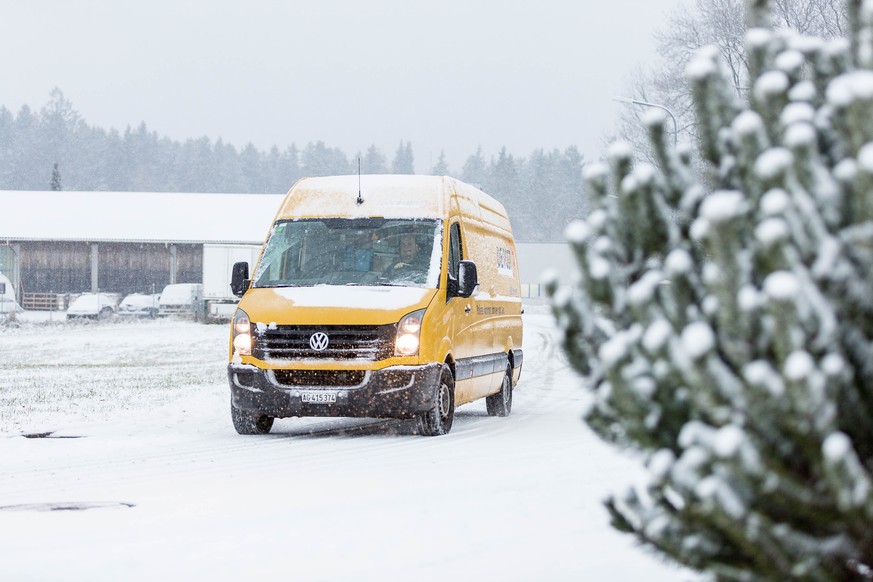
(500,404)
(246,422)
(438,420)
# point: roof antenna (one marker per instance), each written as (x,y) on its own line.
(360,198)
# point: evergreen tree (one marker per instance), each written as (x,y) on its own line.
(442,167)
(540,182)
(196,158)
(287,170)
(274,170)
(374,162)
(56,179)
(227,169)
(292,168)
(503,183)
(727,333)
(28,159)
(7,155)
(253,171)
(569,194)
(403,163)
(320,160)
(59,121)
(475,171)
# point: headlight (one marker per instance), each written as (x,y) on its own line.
(408,334)
(242,333)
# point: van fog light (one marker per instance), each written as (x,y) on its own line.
(407,344)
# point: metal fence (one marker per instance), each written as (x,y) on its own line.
(45,301)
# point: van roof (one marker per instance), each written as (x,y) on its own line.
(384,195)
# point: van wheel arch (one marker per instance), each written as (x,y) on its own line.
(439,418)
(450,362)
(247,422)
(500,403)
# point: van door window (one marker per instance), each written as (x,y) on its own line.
(455,250)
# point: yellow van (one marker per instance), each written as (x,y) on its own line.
(378,296)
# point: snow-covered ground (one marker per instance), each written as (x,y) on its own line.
(176,494)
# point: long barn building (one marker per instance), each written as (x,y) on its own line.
(122,242)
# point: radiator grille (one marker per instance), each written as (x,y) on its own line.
(360,342)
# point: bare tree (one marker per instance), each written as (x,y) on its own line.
(720,23)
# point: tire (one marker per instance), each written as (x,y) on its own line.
(105,313)
(247,422)
(500,404)
(438,420)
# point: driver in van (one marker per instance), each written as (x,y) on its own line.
(412,259)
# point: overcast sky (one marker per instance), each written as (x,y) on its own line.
(448,75)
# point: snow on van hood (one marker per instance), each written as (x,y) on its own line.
(328,304)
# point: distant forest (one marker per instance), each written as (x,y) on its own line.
(55,148)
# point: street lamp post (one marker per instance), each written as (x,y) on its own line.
(646,104)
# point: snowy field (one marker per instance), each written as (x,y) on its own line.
(141,443)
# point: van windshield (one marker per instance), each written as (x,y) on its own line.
(356,251)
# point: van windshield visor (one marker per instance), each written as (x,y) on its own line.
(352,251)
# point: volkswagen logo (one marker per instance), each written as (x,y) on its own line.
(318,341)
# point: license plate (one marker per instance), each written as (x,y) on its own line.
(318,397)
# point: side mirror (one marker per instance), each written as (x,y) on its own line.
(468,279)
(2,288)
(239,278)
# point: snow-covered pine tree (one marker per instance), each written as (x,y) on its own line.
(56,178)
(727,330)
(374,162)
(404,161)
(441,168)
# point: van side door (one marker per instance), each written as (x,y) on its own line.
(474,339)
(460,311)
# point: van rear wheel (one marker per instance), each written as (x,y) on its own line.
(247,422)
(500,404)
(438,420)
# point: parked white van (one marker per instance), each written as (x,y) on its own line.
(182,299)
(8,303)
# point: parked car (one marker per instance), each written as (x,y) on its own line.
(182,299)
(140,305)
(93,306)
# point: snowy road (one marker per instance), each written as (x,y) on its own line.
(516,498)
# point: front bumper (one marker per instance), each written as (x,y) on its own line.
(393,392)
